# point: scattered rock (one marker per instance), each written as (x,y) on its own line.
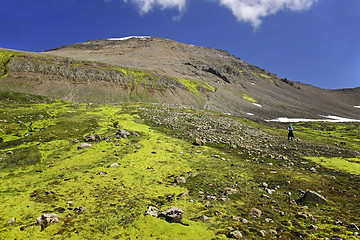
(272,232)
(336,238)
(303,215)
(265,196)
(228,191)
(352,226)
(114,165)
(123,133)
(89,138)
(153,211)
(135,134)
(173,214)
(255,213)
(46,220)
(264,185)
(74,140)
(101,173)
(79,209)
(9,153)
(282,213)
(338,222)
(182,195)
(200,142)
(204,218)
(313,197)
(11,221)
(292,202)
(313,227)
(70,203)
(245,221)
(262,233)
(230,229)
(84,145)
(180,180)
(235,234)
(269,220)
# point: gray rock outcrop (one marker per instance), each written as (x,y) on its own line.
(311,196)
(46,220)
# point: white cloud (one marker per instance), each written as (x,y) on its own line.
(146,6)
(249,11)
(252,11)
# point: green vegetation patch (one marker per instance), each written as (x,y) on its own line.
(248,98)
(5,58)
(350,165)
(43,170)
(193,85)
(341,134)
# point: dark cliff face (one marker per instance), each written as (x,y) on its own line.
(160,70)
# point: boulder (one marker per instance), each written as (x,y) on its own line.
(173,214)
(79,209)
(46,220)
(311,196)
(255,213)
(180,180)
(114,165)
(236,234)
(89,138)
(84,145)
(123,133)
(11,221)
(153,211)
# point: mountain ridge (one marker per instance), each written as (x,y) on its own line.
(197,76)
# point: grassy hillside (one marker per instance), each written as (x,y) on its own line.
(159,164)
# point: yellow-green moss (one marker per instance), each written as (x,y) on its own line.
(248,98)
(351,165)
(5,58)
(192,85)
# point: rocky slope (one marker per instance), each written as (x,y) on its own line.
(151,69)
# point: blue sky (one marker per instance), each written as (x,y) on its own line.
(311,41)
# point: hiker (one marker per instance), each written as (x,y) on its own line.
(291,133)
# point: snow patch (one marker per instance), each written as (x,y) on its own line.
(256,104)
(329,118)
(126,38)
(251,114)
(356,106)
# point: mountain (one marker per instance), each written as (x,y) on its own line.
(135,169)
(151,69)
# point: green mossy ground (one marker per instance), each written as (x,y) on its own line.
(45,170)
